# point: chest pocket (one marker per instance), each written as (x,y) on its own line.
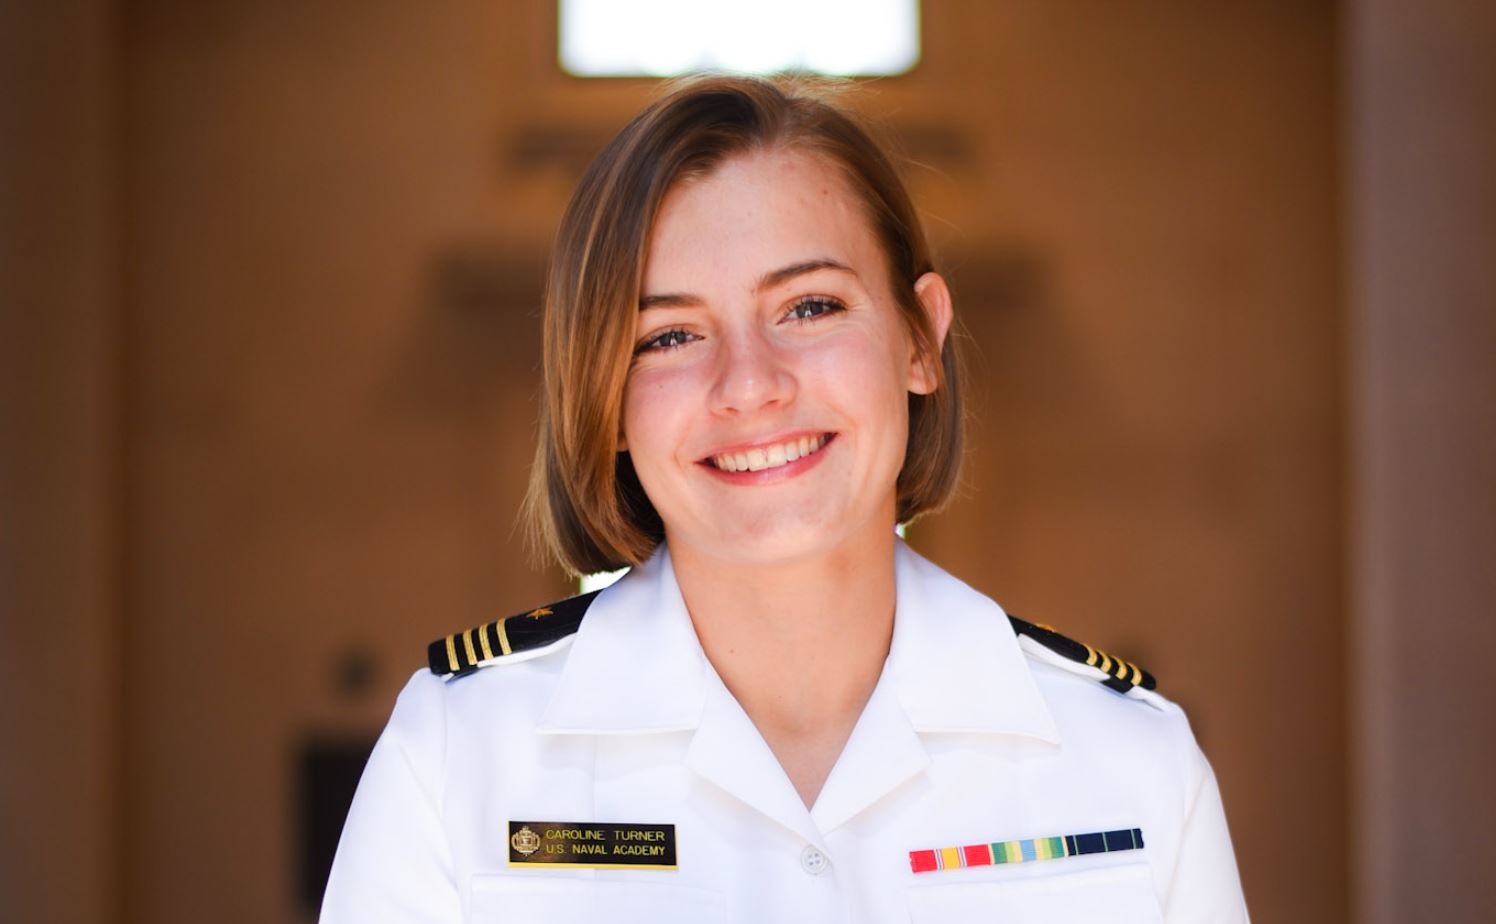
(534,900)
(1112,895)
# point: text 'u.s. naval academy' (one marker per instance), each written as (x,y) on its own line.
(591,843)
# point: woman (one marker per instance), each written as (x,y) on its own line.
(781,712)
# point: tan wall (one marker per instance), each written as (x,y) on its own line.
(59,452)
(1422,274)
(333,224)
(329,449)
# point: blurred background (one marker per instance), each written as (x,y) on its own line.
(269,286)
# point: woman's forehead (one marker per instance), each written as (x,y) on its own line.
(755,212)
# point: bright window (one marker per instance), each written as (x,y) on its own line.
(662,38)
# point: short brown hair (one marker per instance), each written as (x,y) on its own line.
(585,502)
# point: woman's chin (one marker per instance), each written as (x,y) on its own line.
(767,542)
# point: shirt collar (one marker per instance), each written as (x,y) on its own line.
(636,664)
(955,661)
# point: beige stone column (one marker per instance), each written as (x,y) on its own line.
(1421,183)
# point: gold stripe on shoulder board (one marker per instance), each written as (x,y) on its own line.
(503,636)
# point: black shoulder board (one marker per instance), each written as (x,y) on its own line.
(464,652)
(1121,675)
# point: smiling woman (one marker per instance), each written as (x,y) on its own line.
(748,383)
(641,245)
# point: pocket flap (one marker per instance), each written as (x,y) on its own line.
(503,899)
(1109,895)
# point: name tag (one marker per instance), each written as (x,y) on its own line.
(591,844)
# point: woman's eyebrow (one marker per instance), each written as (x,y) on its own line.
(767,281)
(780,276)
(668,301)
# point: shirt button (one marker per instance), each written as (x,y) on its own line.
(813,861)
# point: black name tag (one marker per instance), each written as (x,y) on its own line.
(591,843)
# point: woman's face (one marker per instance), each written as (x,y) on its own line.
(766,409)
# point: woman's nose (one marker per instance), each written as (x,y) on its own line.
(752,374)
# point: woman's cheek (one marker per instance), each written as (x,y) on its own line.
(853,357)
(656,403)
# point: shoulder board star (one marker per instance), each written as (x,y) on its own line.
(1078,657)
(464,652)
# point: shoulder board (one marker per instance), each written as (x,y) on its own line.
(1122,676)
(464,652)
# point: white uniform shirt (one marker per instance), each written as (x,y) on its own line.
(969,738)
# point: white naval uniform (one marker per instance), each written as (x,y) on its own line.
(965,740)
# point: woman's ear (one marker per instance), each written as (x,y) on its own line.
(924,366)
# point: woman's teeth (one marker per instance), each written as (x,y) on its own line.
(761,457)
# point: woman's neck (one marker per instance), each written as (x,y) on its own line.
(800,644)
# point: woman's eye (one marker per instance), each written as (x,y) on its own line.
(807,309)
(665,340)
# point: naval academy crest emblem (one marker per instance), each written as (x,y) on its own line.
(525,841)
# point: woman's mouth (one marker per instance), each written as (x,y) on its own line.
(770,455)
